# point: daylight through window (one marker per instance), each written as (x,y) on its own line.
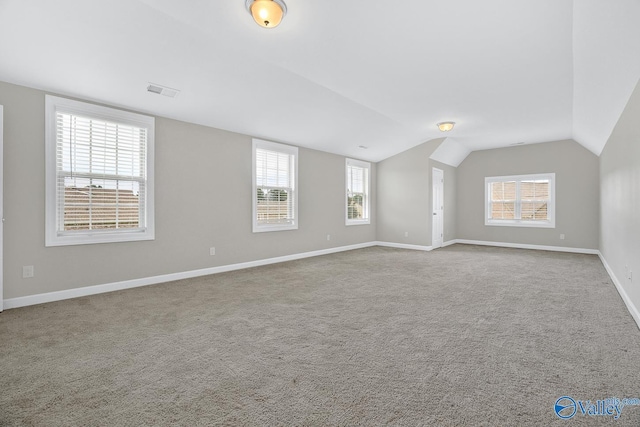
(357,192)
(99,168)
(525,200)
(275,199)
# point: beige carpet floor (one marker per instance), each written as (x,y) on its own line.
(460,336)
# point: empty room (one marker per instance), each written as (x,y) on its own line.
(319,213)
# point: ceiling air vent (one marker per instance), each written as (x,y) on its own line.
(162,90)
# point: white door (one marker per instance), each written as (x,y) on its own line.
(1,204)
(437,229)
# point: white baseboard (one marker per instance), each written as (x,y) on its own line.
(623,294)
(128,284)
(145,281)
(449,243)
(527,246)
(403,246)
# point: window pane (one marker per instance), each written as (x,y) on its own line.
(101,173)
(525,200)
(501,191)
(356,179)
(534,195)
(274,179)
(93,204)
(503,210)
(273,169)
(503,200)
(534,190)
(93,146)
(533,211)
(357,191)
(355,206)
(99,184)
(274,206)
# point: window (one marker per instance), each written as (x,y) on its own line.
(99,174)
(520,201)
(358,192)
(275,175)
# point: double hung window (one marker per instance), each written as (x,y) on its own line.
(275,198)
(99,174)
(521,200)
(358,183)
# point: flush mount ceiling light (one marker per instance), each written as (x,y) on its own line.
(267,13)
(446,126)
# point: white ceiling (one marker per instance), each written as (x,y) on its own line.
(377,73)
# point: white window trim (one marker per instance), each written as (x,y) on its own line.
(274,146)
(52,237)
(367,202)
(551,207)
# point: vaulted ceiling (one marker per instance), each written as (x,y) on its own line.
(336,74)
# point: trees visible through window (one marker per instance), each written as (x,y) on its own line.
(357,177)
(274,179)
(525,200)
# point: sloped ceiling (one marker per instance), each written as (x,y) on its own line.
(337,75)
(606,47)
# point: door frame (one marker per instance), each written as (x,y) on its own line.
(437,214)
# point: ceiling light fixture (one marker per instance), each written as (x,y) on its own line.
(446,126)
(267,13)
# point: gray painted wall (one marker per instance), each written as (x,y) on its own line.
(203,199)
(195,165)
(620,194)
(403,188)
(577,196)
(404,196)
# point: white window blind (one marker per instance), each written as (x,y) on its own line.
(100,171)
(525,200)
(101,174)
(275,198)
(357,192)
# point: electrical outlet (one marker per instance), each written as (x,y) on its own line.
(212,250)
(406,234)
(562,237)
(328,236)
(27,271)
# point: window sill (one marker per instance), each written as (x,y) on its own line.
(271,227)
(358,222)
(95,238)
(517,223)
